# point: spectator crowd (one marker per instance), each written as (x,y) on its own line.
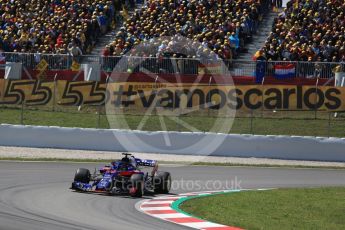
(221,26)
(308,30)
(56,26)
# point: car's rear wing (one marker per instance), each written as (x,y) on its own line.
(145,162)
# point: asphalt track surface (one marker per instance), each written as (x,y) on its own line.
(36,195)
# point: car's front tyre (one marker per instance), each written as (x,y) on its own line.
(82,175)
(162,182)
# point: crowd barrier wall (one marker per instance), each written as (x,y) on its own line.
(230,145)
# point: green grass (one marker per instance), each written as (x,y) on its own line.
(317,208)
(56,118)
(280,123)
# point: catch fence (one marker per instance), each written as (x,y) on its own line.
(259,122)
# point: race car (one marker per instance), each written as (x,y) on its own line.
(125,176)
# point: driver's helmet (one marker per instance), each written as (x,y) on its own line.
(125,160)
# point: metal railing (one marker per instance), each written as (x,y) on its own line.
(31,60)
(156,65)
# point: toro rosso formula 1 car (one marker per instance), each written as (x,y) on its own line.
(124,176)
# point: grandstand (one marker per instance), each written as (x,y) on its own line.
(307,34)
(76,27)
(57,27)
(310,31)
(223,26)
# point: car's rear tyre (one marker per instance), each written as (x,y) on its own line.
(137,183)
(162,182)
(82,175)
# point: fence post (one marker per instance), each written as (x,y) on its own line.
(316,98)
(262,97)
(178,125)
(99,117)
(329,124)
(54,93)
(209,99)
(251,122)
(177,113)
(22,114)
(156,90)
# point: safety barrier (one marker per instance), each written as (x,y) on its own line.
(231,145)
(192,66)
